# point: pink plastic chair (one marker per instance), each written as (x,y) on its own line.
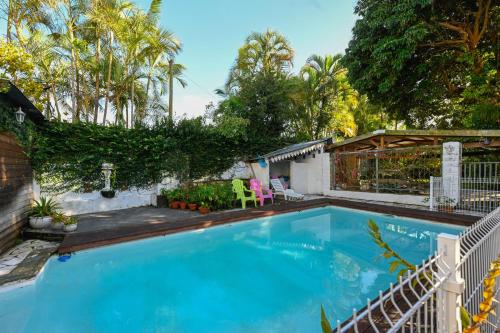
(256,186)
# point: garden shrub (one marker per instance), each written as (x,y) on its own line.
(68,157)
(214,195)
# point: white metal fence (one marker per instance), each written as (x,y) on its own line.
(428,299)
(479,246)
(464,195)
(481,170)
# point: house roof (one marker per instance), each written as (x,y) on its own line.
(296,150)
(384,139)
(15,97)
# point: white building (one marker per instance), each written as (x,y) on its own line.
(303,167)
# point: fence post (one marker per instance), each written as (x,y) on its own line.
(431,193)
(449,294)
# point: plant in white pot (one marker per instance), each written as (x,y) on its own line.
(70,224)
(58,221)
(42,212)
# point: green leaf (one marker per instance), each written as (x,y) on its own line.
(464,318)
(325,324)
(394,265)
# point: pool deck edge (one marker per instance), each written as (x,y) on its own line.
(87,240)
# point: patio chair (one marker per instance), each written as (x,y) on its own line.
(289,194)
(240,191)
(256,186)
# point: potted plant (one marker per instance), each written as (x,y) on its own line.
(174,198)
(364,184)
(58,221)
(108,194)
(193,199)
(41,213)
(165,198)
(204,208)
(182,199)
(446,204)
(70,224)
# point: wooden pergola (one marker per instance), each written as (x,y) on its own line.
(387,139)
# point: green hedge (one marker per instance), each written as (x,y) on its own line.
(69,156)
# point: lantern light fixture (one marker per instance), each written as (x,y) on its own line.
(20,115)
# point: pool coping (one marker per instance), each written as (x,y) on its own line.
(88,240)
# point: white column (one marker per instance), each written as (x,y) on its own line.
(326,172)
(449,294)
(452,170)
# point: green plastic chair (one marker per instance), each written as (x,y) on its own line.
(240,190)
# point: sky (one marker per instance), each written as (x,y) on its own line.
(211,31)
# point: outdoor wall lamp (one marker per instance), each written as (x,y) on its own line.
(20,115)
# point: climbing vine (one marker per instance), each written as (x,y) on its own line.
(23,132)
(69,156)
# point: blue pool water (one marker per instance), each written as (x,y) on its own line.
(264,275)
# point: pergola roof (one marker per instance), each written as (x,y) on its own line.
(296,150)
(384,139)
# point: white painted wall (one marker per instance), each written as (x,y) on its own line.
(238,170)
(73,203)
(308,176)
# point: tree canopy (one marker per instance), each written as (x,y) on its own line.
(95,59)
(429,63)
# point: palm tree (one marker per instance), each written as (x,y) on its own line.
(268,52)
(90,51)
(324,84)
(111,16)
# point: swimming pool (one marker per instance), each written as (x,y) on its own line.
(263,275)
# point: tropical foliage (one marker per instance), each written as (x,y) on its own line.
(68,157)
(429,63)
(44,207)
(101,61)
(272,105)
(214,195)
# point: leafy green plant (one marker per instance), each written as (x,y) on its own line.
(487,307)
(389,253)
(69,156)
(69,220)
(325,324)
(58,218)
(44,207)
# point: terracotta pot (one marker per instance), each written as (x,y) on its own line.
(193,206)
(204,210)
(175,204)
(182,204)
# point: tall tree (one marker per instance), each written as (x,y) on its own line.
(267,53)
(430,63)
(322,98)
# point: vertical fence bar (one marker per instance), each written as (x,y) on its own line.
(334,170)
(431,193)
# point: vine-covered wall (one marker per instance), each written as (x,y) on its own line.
(68,157)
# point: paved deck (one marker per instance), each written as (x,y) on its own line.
(101,229)
(143,216)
